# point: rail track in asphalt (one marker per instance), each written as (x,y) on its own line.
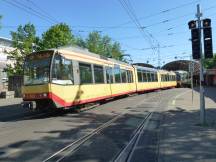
(126,154)
(77,144)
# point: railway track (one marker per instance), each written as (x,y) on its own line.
(126,154)
(61,154)
(75,145)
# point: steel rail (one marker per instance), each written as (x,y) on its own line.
(77,143)
(126,154)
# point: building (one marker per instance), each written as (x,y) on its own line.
(5,47)
(210,77)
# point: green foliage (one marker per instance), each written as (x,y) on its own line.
(23,41)
(93,42)
(57,36)
(103,45)
(116,51)
(210,63)
(80,42)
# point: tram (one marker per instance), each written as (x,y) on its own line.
(183,78)
(68,77)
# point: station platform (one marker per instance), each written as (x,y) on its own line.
(182,138)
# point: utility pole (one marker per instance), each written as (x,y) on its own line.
(202,99)
(191,67)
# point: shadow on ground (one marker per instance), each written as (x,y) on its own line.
(183,139)
(211,92)
(54,140)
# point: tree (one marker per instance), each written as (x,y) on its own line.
(116,51)
(210,63)
(93,42)
(57,36)
(103,45)
(23,40)
(80,42)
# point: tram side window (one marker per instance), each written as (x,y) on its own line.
(149,77)
(173,77)
(62,70)
(124,76)
(145,79)
(117,74)
(170,77)
(85,73)
(153,77)
(109,75)
(129,76)
(163,78)
(98,74)
(166,79)
(139,74)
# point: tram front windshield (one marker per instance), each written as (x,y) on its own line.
(37,68)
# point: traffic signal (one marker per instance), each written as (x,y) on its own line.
(195,39)
(192,24)
(207,36)
(207,23)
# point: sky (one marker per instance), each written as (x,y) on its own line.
(163,21)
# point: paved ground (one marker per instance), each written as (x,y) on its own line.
(182,137)
(27,136)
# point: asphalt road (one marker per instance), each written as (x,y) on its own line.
(27,136)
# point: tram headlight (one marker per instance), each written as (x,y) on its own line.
(44,94)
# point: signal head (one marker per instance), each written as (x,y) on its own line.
(206,22)
(192,24)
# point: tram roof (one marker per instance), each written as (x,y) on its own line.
(145,68)
(87,52)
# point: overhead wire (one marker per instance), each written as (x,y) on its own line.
(42,10)
(133,17)
(160,12)
(28,10)
(35,11)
